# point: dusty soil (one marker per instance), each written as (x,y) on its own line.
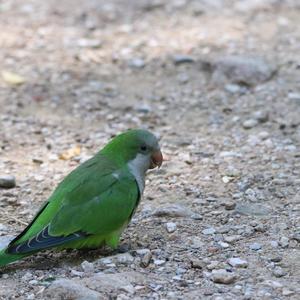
(230,185)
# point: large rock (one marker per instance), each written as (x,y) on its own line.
(172,210)
(113,282)
(241,70)
(70,289)
(252,209)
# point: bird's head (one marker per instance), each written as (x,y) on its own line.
(136,147)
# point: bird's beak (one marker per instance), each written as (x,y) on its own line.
(156,159)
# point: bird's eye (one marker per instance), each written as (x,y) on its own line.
(143,147)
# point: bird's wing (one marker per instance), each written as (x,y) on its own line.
(101,201)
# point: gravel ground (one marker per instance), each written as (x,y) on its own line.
(219,81)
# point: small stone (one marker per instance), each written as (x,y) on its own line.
(261,116)
(284,242)
(233,88)
(128,289)
(274,244)
(232,238)
(171,227)
(183,78)
(286,292)
(7,181)
(296,237)
(196,242)
(142,251)
(197,263)
(223,276)
(213,265)
(3,228)
(143,108)
(159,262)
(223,245)
(124,258)
(279,272)
(89,43)
(137,63)
(180,271)
(229,205)
(209,231)
(37,160)
(250,123)
(237,262)
(276,259)
(179,59)
(87,267)
(255,246)
(5,240)
(227,179)
(294,96)
(146,259)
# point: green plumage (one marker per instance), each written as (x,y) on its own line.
(90,207)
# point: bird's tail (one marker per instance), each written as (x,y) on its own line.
(6,258)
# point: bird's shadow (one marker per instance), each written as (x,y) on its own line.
(51,259)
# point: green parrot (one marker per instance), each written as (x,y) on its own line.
(95,202)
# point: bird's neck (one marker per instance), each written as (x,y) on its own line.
(138,168)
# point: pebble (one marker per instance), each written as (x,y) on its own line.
(286,292)
(179,59)
(4,241)
(279,272)
(123,258)
(171,227)
(89,43)
(232,238)
(87,267)
(261,116)
(145,261)
(212,265)
(137,63)
(227,179)
(229,205)
(7,181)
(250,123)
(197,263)
(238,262)
(296,237)
(159,262)
(209,231)
(255,246)
(223,276)
(196,242)
(233,88)
(294,96)
(284,242)
(224,245)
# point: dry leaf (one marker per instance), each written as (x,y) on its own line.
(70,153)
(12,78)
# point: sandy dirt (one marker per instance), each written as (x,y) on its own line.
(218,81)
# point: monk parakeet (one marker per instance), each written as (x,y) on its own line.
(95,202)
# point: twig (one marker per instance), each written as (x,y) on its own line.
(9,216)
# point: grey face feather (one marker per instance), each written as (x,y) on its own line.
(138,167)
